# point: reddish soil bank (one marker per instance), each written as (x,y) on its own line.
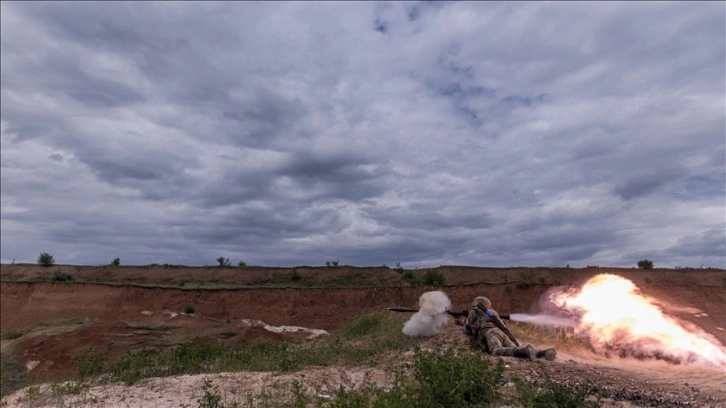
(61,321)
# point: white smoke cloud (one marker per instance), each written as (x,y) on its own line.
(430,317)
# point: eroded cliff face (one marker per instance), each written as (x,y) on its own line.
(63,320)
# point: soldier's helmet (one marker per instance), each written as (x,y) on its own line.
(481,300)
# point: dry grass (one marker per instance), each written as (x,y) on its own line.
(558,337)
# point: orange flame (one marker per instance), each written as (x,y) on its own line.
(616,317)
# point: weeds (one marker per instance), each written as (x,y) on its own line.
(362,341)
(528,278)
(90,364)
(551,394)
(13,375)
(60,276)
(210,399)
(11,335)
(433,277)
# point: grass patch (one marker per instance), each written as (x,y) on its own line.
(365,340)
(89,364)
(559,337)
(450,379)
(13,375)
(547,393)
(60,276)
(204,358)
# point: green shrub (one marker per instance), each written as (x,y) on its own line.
(551,394)
(645,264)
(13,374)
(89,364)
(46,259)
(295,275)
(189,309)
(433,277)
(210,399)
(241,263)
(223,261)
(456,378)
(60,276)
(11,335)
(116,262)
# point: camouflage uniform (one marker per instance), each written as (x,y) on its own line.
(488,336)
(493,340)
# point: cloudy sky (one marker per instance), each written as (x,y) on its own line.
(281,134)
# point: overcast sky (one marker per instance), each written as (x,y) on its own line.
(281,134)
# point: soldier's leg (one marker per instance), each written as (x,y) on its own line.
(495,341)
(549,354)
(481,342)
(527,352)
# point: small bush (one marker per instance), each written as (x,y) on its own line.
(241,263)
(189,309)
(210,399)
(456,379)
(398,268)
(60,276)
(228,334)
(223,261)
(645,264)
(46,259)
(295,275)
(89,364)
(551,394)
(433,277)
(11,335)
(116,262)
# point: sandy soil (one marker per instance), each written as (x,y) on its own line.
(122,309)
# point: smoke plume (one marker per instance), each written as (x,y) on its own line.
(543,320)
(430,317)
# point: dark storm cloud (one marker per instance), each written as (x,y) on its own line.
(418,216)
(642,185)
(490,133)
(709,243)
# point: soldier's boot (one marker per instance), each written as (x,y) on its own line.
(526,352)
(550,354)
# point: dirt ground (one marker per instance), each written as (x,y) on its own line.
(118,310)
